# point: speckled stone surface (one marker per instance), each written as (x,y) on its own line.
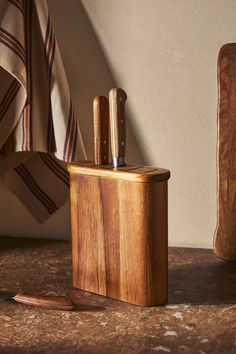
(200,316)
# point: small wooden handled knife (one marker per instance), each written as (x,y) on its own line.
(49,302)
(117,98)
(101,130)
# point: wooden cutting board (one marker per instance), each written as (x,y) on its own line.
(225,235)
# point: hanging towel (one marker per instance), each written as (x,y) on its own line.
(39,132)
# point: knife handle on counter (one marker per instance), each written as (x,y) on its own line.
(117,98)
(101,130)
(49,302)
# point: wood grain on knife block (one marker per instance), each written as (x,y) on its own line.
(49,302)
(101,129)
(225,235)
(119,233)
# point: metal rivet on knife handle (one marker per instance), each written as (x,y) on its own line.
(117,98)
(101,130)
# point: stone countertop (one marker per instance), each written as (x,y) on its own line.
(200,316)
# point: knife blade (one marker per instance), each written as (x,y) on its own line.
(117,98)
(101,130)
(49,302)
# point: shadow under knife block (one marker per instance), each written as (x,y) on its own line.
(120,232)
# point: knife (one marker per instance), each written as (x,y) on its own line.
(49,302)
(101,130)
(117,98)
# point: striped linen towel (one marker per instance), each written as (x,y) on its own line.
(38,129)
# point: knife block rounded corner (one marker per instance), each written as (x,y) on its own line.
(119,222)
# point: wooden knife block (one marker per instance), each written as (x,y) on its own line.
(119,232)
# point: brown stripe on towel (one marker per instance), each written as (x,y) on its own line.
(68,130)
(62,170)
(24,120)
(53,166)
(14,40)
(27,126)
(47,30)
(71,142)
(50,45)
(9,43)
(51,58)
(50,130)
(71,136)
(36,189)
(30,75)
(17,4)
(9,97)
(74,143)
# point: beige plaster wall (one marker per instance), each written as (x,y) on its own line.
(163,53)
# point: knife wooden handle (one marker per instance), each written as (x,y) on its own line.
(101,130)
(117,98)
(49,302)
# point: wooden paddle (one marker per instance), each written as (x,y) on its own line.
(225,235)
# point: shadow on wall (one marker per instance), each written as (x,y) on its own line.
(87,70)
(88,75)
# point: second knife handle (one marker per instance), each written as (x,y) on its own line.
(117,98)
(101,130)
(49,302)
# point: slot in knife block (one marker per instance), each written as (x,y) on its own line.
(119,232)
